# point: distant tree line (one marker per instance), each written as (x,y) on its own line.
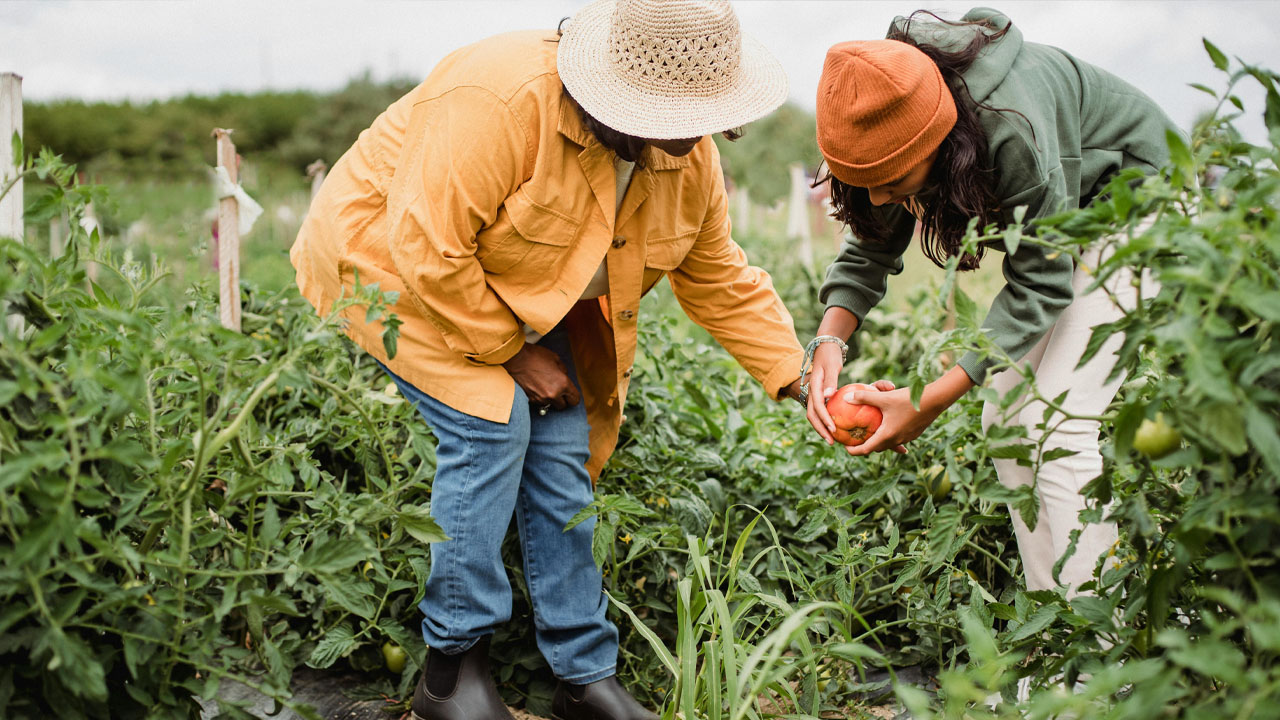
(291,129)
(172,137)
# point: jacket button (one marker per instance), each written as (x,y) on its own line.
(619,241)
(627,314)
(627,374)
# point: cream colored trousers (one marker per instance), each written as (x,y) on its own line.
(1059,482)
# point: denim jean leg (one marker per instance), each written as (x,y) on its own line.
(571,627)
(473,497)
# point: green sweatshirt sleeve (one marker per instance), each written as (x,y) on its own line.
(1037,285)
(856,280)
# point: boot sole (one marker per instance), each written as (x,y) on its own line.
(416,716)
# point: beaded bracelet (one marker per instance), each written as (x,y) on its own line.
(809,349)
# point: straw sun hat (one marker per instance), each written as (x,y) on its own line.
(667,69)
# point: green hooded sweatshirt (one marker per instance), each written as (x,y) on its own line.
(1076,125)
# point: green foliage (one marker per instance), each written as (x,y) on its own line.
(171,137)
(338,120)
(181,504)
(761,159)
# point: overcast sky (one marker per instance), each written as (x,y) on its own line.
(108,49)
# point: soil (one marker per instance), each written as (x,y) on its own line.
(322,690)
(326,691)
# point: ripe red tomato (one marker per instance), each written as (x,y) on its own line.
(854,423)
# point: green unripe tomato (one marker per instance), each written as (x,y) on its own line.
(936,481)
(1156,438)
(394,656)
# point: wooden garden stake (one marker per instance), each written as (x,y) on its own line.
(11,203)
(228,238)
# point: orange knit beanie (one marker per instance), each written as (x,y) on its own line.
(883,107)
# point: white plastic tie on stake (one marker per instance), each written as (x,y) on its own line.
(248,207)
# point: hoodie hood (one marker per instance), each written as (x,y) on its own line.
(995,60)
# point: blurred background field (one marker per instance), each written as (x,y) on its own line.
(156,159)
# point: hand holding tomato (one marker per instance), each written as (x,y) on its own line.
(845,422)
(902,422)
(827,363)
(854,423)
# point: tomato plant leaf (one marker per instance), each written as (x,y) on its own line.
(332,554)
(1219,59)
(337,643)
(418,523)
(15,147)
(1038,621)
(349,593)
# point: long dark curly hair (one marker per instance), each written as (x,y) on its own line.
(961,184)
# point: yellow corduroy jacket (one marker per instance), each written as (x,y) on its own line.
(484,202)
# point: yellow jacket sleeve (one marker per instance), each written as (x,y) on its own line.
(735,301)
(465,152)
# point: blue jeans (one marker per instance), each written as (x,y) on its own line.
(532,467)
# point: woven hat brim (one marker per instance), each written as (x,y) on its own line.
(584,64)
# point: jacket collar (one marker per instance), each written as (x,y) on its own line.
(570,125)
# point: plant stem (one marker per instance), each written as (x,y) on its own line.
(342,394)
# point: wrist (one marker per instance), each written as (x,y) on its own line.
(518,358)
(945,391)
(838,322)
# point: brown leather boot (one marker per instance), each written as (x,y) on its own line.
(458,687)
(601,700)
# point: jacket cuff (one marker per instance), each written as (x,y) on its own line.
(499,355)
(850,300)
(783,374)
(976,366)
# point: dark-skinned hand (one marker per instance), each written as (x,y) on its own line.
(543,377)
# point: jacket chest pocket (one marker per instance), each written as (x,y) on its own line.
(527,237)
(666,253)
(663,254)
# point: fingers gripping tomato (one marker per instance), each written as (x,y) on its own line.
(854,423)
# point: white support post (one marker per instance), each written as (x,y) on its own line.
(11,167)
(228,238)
(798,214)
(89,223)
(57,236)
(316,171)
(742,210)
